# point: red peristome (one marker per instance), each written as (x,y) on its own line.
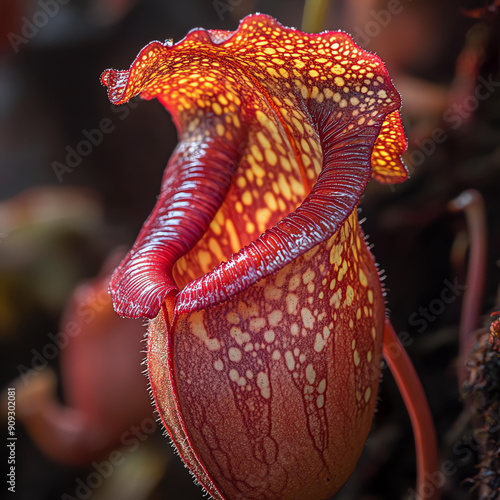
(307,119)
(194,186)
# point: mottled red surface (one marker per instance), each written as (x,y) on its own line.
(265,367)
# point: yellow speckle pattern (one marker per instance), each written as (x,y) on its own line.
(258,88)
(386,157)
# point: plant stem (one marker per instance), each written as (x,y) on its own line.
(314,15)
(472,204)
(421,420)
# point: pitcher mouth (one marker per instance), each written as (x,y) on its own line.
(315,109)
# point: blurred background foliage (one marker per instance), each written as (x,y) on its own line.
(57,228)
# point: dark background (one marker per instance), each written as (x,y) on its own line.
(57,231)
